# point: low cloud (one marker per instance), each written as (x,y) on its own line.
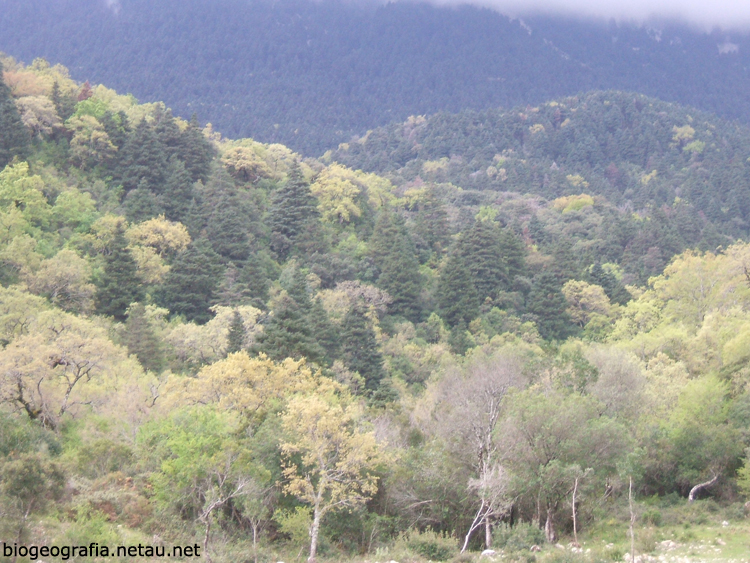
(706,14)
(113,5)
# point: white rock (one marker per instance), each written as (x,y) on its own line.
(725,523)
(488,552)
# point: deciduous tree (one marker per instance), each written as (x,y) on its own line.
(329,459)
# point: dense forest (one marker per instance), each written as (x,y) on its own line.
(311,74)
(524,332)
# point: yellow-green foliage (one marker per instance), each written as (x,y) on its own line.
(572,203)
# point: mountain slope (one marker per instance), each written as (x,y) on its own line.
(311,74)
(638,152)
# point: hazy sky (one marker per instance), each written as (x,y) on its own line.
(703,13)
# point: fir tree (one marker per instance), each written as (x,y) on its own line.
(141,205)
(514,254)
(432,224)
(141,340)
(231,291)
(294,281)
(537,231)
(384,395)
(227,230)
(483,256)
(292,207)
(611,285)
(190,286)
(383,236)
(65,106)
(459,339)
(142,160)
(168,133)
(116,127)
(14,138)
(178,193)
(396,260)
(196,151)
(548,304)
(236,336)
(288,333)
(457,298)
(360,350)
(255,278)
(326,333)
(119,285)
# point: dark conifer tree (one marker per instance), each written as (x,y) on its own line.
(14,138)
(196,151)
(236,336)
(458,339)
(383,236)
(396,260)
(168,133)
(483,256)
(384,395)
(119,285)
(231,291)
(457,298)
(194,219)
(289,330)
(548,304)
(141,340)
(294,281)
(514,254)
(611,285)
(142,160)
(117,128)
(292,208)
(177,193)
(141,205)
(432,224)
(288,333)
(255,278)
(326,333)
(360,351)
(227,230)
(65,106)
(190,286)
(537,231)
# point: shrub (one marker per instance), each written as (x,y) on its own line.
(652,516)
(519,537)
(430,545)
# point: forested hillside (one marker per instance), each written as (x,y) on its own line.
(311,74)
(532,332)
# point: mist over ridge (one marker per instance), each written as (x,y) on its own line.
(727,15)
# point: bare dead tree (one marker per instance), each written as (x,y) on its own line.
(470,408)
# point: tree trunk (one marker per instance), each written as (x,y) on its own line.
(206,538)
(632,521)
(698,488)
(474,525)
(549,527)
(575,519)
(314,530)
(255,541)
(487,532)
